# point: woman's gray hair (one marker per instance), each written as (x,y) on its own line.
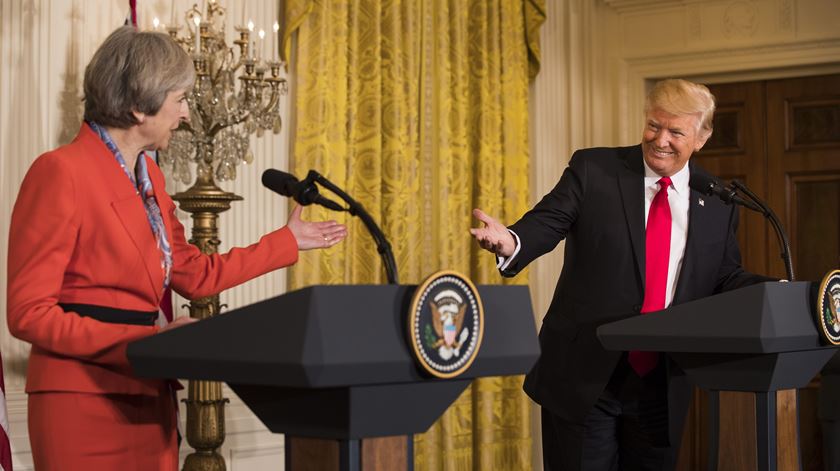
(133,71)
(681,97)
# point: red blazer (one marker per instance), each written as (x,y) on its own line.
(79,234)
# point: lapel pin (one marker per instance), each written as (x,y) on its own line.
(702,203)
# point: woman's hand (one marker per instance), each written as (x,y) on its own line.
(315,235)
(178,322)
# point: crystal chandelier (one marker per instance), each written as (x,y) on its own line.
(236,94)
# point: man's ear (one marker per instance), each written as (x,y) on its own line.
(139,116)
(702,138)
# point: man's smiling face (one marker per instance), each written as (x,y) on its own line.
(669,140)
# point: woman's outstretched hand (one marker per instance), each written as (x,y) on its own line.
(315,235)
(178,322)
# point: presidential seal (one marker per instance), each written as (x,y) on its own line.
(828,307)
(446,324)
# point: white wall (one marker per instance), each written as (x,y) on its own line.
(44,48)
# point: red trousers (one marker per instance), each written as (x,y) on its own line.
(99,432)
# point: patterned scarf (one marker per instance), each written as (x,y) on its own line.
(140,180)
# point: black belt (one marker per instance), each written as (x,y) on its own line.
(112,315)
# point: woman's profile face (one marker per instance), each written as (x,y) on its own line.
(158,128)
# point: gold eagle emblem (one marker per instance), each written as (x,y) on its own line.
(440,318)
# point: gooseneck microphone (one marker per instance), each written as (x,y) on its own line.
(304,192)
(709,185)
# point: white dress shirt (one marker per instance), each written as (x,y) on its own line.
(678,200)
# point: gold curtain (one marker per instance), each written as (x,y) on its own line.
(419,110)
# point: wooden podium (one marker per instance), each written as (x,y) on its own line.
(331,368)
(761,339)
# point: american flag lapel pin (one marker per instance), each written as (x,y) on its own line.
(700,200)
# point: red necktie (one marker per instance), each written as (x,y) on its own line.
(657,255)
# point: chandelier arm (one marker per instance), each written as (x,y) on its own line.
(272,102)
(205,118)
(226,60)
(241,119)
(185,126)
(217,128)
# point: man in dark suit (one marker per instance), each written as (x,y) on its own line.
(638,239)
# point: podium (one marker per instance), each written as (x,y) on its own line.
(330,367)
(761,338)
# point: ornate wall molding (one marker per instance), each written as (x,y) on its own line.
(787,11)
(719,66)
(625,6)
(623,60)
(814,51)
(740,19)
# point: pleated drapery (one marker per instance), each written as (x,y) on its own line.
(419,110)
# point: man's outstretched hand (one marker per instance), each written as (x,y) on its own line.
(494,236)
(315,235)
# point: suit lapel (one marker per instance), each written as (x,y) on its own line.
(132,214)
(697,219)
(631,187)
(128,208)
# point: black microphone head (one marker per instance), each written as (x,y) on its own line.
(703,182)
(280,182)
(306,193)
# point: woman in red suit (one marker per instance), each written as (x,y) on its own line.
(94,243)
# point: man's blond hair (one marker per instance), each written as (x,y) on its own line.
(681,97)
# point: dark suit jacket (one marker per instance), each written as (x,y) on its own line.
(598,208)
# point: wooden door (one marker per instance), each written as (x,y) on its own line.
(782,139)
(803,137)
(804,170)
(737,150)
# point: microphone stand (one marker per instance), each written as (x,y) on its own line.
(356,209)
(774,221)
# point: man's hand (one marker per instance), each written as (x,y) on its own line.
(315,235)
(494,236)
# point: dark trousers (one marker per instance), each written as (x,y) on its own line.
(626,429)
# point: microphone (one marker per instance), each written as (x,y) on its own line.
(356,209)
(710,186)
(304,192)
